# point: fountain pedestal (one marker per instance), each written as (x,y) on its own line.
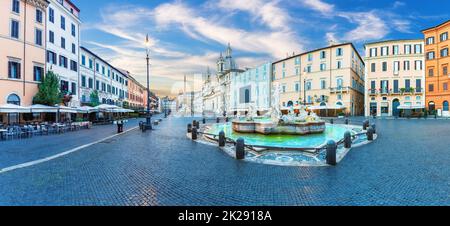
(297,128)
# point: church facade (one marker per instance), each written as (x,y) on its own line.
(217,89)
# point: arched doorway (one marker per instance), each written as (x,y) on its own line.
(431,106)
(445,106)
(13,99)
(395,110)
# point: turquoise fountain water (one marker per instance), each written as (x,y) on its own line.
(332,132)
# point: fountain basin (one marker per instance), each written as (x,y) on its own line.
(266,128)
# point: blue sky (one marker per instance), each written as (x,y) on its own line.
(187,36)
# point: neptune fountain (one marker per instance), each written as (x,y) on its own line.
(275,123)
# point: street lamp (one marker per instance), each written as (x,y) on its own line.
(148,117)
(304,92)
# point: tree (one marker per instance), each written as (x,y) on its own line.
(95,101)
(48,93)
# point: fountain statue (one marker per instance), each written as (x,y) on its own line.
(274,122)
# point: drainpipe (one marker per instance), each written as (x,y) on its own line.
(24,47)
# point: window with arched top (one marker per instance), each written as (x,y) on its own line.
(13,99)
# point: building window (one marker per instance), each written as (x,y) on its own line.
(430,55)
(83,60)
(323,84)
(51,37)
(396,89)
(339,64)
(97,85)
(396,67)
(384,51)
(430,88)
(38,37)
(444,36)
(395,50)
(73,30)
(339,52)
(444,52)
(74,88)
(431,72)
(74,49)
(310,57)
(63,43)
(418,85)
(64,87)
(339,83)
(372,67)
(323,55)
(418,49)
(38,16)
(63,61)
(407,49)
(14,29)
(384,66)
(73,66)
(90,83)
(373,52)
(430,40)
(51,15)
(445,86)
(63,23)
(406,65)
(445,71)
(13,99)
(16,6)
(97,67)
(83,81)
(37,73)
(323,67)
(91,63)
(51,57)
(418,65)
(13,70)
(297,87)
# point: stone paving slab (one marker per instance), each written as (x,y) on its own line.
(407,165)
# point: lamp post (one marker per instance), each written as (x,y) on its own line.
(304,92)
(148,117)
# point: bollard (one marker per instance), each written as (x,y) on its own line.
(370,134)
(346,121)
(347,140)
(365,124)
(194,123)
(217,120)
(189,128)
(331,152)
(197,124)
(240,149)
(331,121)
(222,139)
(374,128)
(204,121)
(194,133)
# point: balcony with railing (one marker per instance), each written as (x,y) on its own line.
(373,92)
(339,89)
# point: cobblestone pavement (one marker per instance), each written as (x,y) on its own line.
(18,151)
(407,165)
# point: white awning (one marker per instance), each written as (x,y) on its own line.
(39,108)
(87,109)
(336,107)
(408,106)
(12,108)
(64,109)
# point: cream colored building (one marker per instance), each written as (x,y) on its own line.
(395,77)
(329,80)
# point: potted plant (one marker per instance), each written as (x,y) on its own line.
(402,90)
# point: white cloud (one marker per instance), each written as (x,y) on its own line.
(275,43)
(319,5)
(268,12)
(369,26)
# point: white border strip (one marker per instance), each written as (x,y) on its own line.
(39,161)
